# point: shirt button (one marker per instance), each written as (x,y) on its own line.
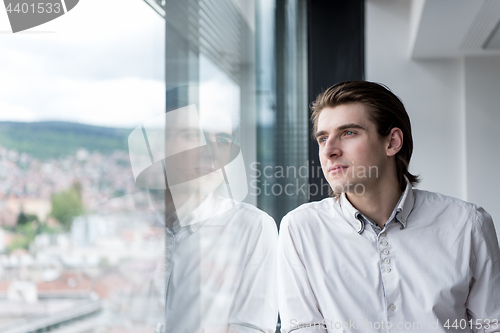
(388,270)
(393,307)
(383,234)
(387,261)
(385,252)
(384,243)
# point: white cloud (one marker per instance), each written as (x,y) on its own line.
(102,63)
(121,102)
(124,102)
(15,113)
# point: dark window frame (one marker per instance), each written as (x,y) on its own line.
(335,53)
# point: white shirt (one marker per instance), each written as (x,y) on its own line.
(437,260)
(220,271)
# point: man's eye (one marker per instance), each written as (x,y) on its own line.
(349,133)
(223,140)
(192,136)
(322,140)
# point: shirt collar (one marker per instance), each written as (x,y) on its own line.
(406,203)
(349,213)
(401,211)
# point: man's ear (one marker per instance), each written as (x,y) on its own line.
(394,141)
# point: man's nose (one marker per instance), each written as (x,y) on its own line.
(332,148)
(211,152)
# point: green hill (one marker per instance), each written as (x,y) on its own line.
(53,139)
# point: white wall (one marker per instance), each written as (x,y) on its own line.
(482,92)
(453,103)
(431,91)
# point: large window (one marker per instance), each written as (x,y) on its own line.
(76,241)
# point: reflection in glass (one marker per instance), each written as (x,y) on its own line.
(218,269)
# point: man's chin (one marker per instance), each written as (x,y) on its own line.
(350,187)
(339,187)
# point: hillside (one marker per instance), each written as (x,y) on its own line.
(53,139)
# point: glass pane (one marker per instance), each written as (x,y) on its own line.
(78,239)
(282,107)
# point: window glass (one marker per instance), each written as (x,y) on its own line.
(76,239)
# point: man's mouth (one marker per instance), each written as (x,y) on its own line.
(335,169)
(204,170)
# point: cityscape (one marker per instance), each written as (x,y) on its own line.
(79,244)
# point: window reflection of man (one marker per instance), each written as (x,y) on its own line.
(219,264)
(195,163)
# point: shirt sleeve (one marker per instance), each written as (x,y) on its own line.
(255,308)
(483,303)
(299,309)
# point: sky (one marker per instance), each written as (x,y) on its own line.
(101,63)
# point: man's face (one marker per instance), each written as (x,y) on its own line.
(195,157)
(197,153)
(352,155)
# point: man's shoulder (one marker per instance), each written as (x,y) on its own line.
(229,211)
(312,212)
(252,212)
(424,199)
(433,204)
(252,217)
(324,204)
(239,218)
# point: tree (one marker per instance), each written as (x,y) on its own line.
(66,205)
(24,218)
(24,235)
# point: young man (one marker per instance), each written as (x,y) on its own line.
(381,256)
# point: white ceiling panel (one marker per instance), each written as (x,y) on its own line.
(455,28)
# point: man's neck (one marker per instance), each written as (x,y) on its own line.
(186,203)
(378,202)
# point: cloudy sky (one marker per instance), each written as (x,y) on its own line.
(101,63)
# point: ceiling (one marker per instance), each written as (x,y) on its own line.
(455,28)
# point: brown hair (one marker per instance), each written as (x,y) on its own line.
(385,110)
